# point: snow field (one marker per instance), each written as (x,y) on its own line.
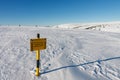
(71,54)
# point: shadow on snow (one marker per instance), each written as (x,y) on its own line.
(99,61)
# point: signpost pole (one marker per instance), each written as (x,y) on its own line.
(38,59)
(38,62)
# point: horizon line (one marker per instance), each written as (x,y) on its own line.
(38,25)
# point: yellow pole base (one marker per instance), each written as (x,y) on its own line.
(37,72)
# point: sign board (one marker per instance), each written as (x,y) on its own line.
(37,44)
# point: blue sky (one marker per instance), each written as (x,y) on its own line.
(52,12)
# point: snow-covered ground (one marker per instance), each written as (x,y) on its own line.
(71,54)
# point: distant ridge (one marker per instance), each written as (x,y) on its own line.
(86,25)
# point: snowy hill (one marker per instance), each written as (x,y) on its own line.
(71,54)
(105,26)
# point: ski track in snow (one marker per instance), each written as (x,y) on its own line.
(71,54)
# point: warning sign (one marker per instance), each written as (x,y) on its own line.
(38,44)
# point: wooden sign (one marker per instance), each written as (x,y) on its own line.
(37,44)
